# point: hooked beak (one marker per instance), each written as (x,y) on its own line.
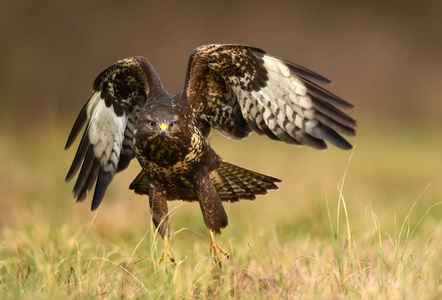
(163,130)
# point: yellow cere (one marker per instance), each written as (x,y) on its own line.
(163,126)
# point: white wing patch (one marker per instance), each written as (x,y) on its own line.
(278,70)
(283,106)
(106,132)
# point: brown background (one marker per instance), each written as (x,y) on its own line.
(383,57)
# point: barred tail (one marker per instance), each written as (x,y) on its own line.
(234,183)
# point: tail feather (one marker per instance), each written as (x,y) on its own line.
(234,189)
(232,183)
(140,184)
(226,188)
(239,183)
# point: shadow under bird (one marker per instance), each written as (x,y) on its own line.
(233,89)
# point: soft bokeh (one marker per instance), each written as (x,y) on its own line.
(383,56)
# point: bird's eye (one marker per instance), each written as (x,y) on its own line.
(151,124)
(172,124)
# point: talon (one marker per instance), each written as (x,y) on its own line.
(216,250)
(166,252)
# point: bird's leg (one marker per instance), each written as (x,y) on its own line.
(214,215)
(159,211)
(163,229)
(216,250)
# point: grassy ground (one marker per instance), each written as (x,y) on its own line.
(376,234)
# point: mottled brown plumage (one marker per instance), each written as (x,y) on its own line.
(231,88)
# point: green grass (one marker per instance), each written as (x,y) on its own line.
(362,224)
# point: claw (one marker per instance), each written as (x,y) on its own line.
(216,250)
(166,252)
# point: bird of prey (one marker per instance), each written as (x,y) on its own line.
(233,89)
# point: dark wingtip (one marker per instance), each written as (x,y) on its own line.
(345,146)
(71,139)
(276,180)
(96,200)
(78,125)
(68,177)
(103,181)
(340,142)
(68,145)
(306,73)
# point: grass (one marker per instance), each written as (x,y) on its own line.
(379,236)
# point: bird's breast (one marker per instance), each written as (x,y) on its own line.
(173,157)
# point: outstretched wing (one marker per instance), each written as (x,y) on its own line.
(110,114)
(236,89)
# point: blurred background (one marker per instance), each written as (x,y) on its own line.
(383,56)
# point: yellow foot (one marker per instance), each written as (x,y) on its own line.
(216,250)
(167,252)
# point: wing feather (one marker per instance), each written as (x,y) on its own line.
(107,147)
(84,175)
(305,73)
(79,123)
(233,84)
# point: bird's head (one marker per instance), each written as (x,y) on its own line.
(157,124)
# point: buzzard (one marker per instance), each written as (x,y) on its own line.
(233,89)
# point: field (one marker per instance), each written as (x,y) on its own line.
(362,224)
